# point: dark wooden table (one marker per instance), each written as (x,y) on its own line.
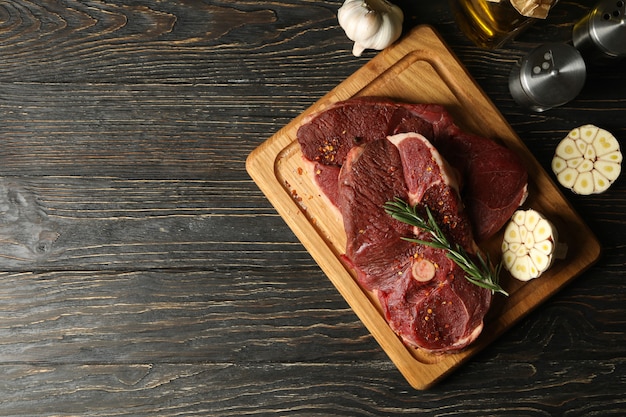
(144,273)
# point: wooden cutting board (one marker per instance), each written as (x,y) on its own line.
(419,68)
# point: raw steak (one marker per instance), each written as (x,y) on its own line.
(494,178)
(424,295)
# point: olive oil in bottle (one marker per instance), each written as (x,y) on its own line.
(488,23)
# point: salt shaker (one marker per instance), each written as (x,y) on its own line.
(549,76)
(601,35)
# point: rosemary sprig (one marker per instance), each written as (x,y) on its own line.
(483,274)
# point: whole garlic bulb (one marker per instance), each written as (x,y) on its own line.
(371,24)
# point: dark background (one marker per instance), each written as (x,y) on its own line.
(144,273)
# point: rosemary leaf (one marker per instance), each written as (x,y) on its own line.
(483,274)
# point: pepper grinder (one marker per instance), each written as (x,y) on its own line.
(601,35)
(549,76)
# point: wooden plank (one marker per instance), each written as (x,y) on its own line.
(84,223)
(278,169)
(149,131)
(70,42)
(222,314)
(229,389)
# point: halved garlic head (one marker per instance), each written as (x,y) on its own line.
(529,245)
(588,160)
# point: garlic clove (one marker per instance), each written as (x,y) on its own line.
(567,177)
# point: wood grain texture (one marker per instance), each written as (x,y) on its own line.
(175,288)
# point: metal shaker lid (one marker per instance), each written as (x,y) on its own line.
(549,76)
(603,28)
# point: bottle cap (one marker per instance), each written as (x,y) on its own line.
(601,34)
(549,76)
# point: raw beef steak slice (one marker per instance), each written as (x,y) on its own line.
(425,296)
(495,182)
(327,137)
(443,315)
(371,176)
(494,177)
